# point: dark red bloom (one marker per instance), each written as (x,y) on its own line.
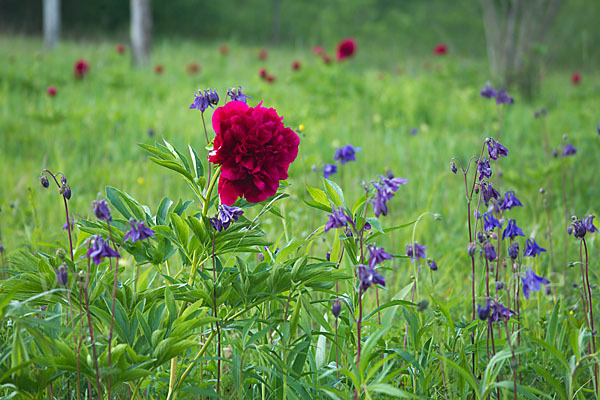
(193,68)
(440,49)
(318,50)
(51,91)
(159,69)
(296,65)
(81,68)
(120,48)
(346,48)
(254,150)
(263,54)
(270,78)
(576,78)
(326,59)
(262,73)
(224,50)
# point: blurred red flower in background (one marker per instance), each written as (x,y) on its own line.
(270,78)
(51,91)
(576,78)
(318,50)
(263,54)
(262,73)
(120,48)
(193,68)
(440,49)
(296,65)
(81,68)
(224,50)
(254,150)
(346,48)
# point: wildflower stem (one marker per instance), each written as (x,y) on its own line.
(191,366)
(112,312)
(216,315)
(514,360)
(209,191)
(589,292)
(549,235)
(358,329)
(89,318)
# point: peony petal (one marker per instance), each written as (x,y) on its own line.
(227,191)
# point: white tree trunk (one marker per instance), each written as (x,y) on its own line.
(141,30)
(51,23)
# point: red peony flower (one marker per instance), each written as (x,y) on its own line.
(51,91)
(576,78)
(270,78)
(159,69)
(263,54)
(318,50)
(346,48)
(254,151)
(120,48)
(81,68)
(326,59)
(193,68)
(296,65)
(224,50)
(262,73)
(440,49)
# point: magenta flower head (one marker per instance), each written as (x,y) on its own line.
(420,250)
(488,91)
(337,219)
(569,150)
(510,201)
(100,249)
(532,282)
(377,255)
(490,222)
(495,149)
(369,276)
(532,249)
(138,231)
(512,230)
(101,210)
(346,154)
(328,170)
(336,308)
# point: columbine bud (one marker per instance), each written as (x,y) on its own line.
(62,275)
(542,191)
(480,237)
(453,167)
(65,190)
(336,308)
(564,137)
(44,181)
(471,249)
(63,180)
(554,153)
(328,256)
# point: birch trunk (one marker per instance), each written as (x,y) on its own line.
(51,23)
(141,31)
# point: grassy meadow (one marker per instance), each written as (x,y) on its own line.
(91,131)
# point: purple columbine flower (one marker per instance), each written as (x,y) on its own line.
(483,312)
(510,201)
(484,169)
(102,211)
(337,219)
(329,169)
(532,282)
(369,276)
(513,250)
(502,97)
(495,149)
(346,154)
(512,230)
(489,192)
(532,249)
(237,95)
(490,222)
(578,229)
(569,150)
(500,286)
(226,215)
(420,250)
(204,100)
(377,255)
(385,189)
(70,224)
(488,91)
(44,181)
(138,231)
(414,131)
(336,308)
(100,249)
(500,313)
(432,264)
(588,222)
(489,251)
(62,275)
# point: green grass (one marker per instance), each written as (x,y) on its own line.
(92,128)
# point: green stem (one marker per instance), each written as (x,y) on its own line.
(209,191)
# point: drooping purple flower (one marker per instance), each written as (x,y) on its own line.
(495,149)
(377,255)
(101,210)
(369,276)
(392,184)
(226,216)
(502,97)
(569,150)
(44,181)
(513,250)
(346,154)
(489,251)
(489,192)
(385,189)
(328,170)
(588,222)
(414,131)
(432,264)
(512,230)
(483,312)
(500,286)
(510,201)
(490,222)
(139,231)
(70,224)
(337,219)
(488,91)
(420,250)
(532,282)
(484,169)
(237,95)
(500,312)
(62,275)
(336,308)
(532,249)
(578,229)
(204,100)
(100,249)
